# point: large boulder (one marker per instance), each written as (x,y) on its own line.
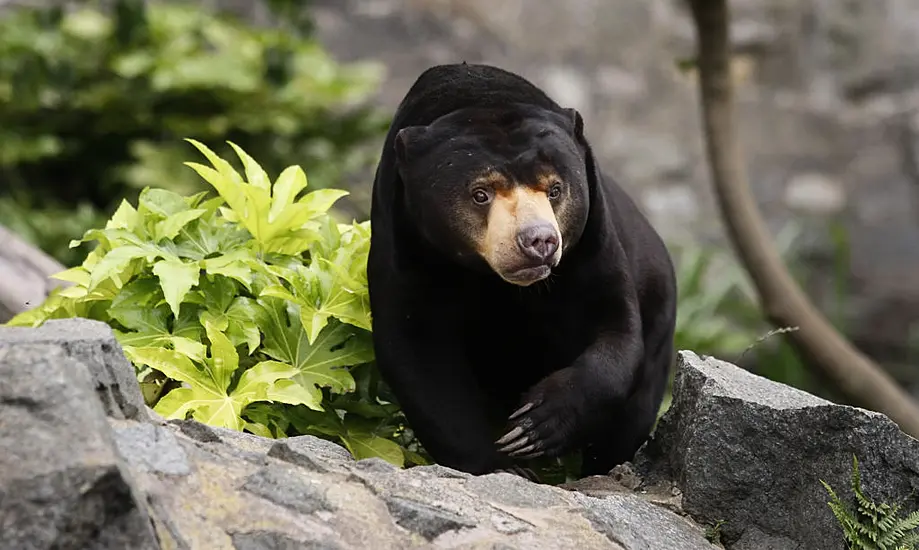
(216,488)
(737,459)
(72,478)
(751,453)
(93,344)
(62,482)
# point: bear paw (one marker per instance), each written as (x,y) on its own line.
(544,425)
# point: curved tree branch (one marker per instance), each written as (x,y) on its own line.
(784,302)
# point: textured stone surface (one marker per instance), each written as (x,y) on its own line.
(752,453)
(152,447)
(428,521)
(734,447)
(83,480)
(266,500)
(622,518)
(62,483)
(285,488)
(93,344)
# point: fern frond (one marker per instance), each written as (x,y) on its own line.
(872,525)
(909,542)
(911,521)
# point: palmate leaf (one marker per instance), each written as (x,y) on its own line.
(237,265)
(177,278)
(210,236)
(208,396)
(128,255)
(165,213)
(276,219)
(363,440)
(137,307)
(169,228)
(320,363)
(55,306)
(230,313)
(333,285)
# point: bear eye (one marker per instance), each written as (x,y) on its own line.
(555,191)
(480,196)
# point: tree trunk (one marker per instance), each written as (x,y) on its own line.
(784,302)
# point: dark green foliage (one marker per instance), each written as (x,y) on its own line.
(94,104)
(873,526)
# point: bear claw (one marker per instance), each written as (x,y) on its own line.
(516,444)
(511,435)
(522,410)
(531,450)
(521,441)
(540,427)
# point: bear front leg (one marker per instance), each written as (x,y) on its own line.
(420,357)
(558,411)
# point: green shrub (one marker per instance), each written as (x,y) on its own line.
(93,105)
(248,310)
(715,315)
(873,526)
(718,315)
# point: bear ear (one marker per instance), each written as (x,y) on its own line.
(405,141)
(576,121)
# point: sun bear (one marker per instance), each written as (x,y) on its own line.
(522,304)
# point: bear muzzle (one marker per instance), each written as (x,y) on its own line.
(539,242)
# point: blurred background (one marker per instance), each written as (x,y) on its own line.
(96,98)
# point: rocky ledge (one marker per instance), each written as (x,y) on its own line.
(84,464)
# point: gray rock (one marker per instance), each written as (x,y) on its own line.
(244,445)
(754,539)
(92,343)
(752,452)
(153,448)
(316,447)
(374,465)
(62,484)
(513,490)
(268,540)
(495,508)
(197,431)
(424,519)
(436,470)
(283,451)
(624,520)
(287,489)
(742,449)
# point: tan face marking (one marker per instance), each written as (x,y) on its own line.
(513,208)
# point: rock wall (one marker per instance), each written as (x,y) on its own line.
(84,464)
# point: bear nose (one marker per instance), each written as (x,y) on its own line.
(538,241)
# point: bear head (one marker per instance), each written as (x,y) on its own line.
(505,189)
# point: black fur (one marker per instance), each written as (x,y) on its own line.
(584,353)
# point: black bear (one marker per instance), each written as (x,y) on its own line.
(522,305)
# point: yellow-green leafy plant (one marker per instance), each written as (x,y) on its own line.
(247,310)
